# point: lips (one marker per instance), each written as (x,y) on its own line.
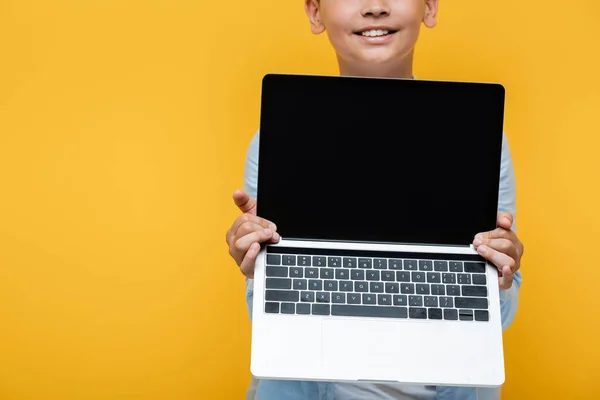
(374,31)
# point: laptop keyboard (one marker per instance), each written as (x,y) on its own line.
(401,285)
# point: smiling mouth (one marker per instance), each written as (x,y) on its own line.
(376,33)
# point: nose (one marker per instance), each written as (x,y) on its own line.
(375,8)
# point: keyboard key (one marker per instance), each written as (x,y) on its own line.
(368,311)
(319,261)
(307,297)
(451,314)
(410,265)
(376,287)
(434,277)
(272,308)
(289,260)
(373,275)
(282,295)
(303,309)
(320,309)
(353,298)
(384,299)
(417,313)
(296,272)
(273,259)
(447,302)
(453,290)
(471,302)
(342,274)
(415,301)
(361,287)
(387,276)
(392,287)
(475,267)
(481,315)
(338,298)
(304,261)
(369,298)
(422,288)
(288,308)
(365,263)
(395,264)
(278,283)
(476,291)
(434,313)
(440,266)
(315,284)
(335,262)
(349,262)
(323,297)
(407,288)
(346,286)
(464,279)
(380,263)
(357,274)
(327,273)
(438,290)
(479,279)
(331,286)
(431,301)
(403,276)
(456,266)
(449,277)
(425,265)
(400,300)
(280,272)
(300,284)
(417,277)
(465,315)
(311,272)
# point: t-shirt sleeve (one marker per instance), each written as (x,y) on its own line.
(507,202)
(251,167)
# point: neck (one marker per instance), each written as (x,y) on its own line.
(403,69)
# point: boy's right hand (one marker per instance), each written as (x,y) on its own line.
(247,232)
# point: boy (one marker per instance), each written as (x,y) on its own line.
(376,38)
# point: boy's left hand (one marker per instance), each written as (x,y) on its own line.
(503,248)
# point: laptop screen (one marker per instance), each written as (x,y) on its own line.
(379,160)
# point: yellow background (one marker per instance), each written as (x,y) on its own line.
(123,130)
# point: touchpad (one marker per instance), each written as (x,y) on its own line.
(363,349)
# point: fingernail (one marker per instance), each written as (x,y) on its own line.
(276,236)
(477,242)
(479,236)
(255,246)
(482,249)
(268,231)
(273,226)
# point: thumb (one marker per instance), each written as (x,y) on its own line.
(505,220)
(244,202)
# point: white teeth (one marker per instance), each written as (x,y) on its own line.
(375,32)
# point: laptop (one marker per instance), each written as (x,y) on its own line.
(378,187)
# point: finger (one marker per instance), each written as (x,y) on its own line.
(247,265)
(248,227)
(506,278)
(498,233)
(242,219)
(244,202)
(502,245)
(242,245)
(499,259)
(505,220)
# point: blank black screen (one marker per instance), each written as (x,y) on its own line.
(379,160)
